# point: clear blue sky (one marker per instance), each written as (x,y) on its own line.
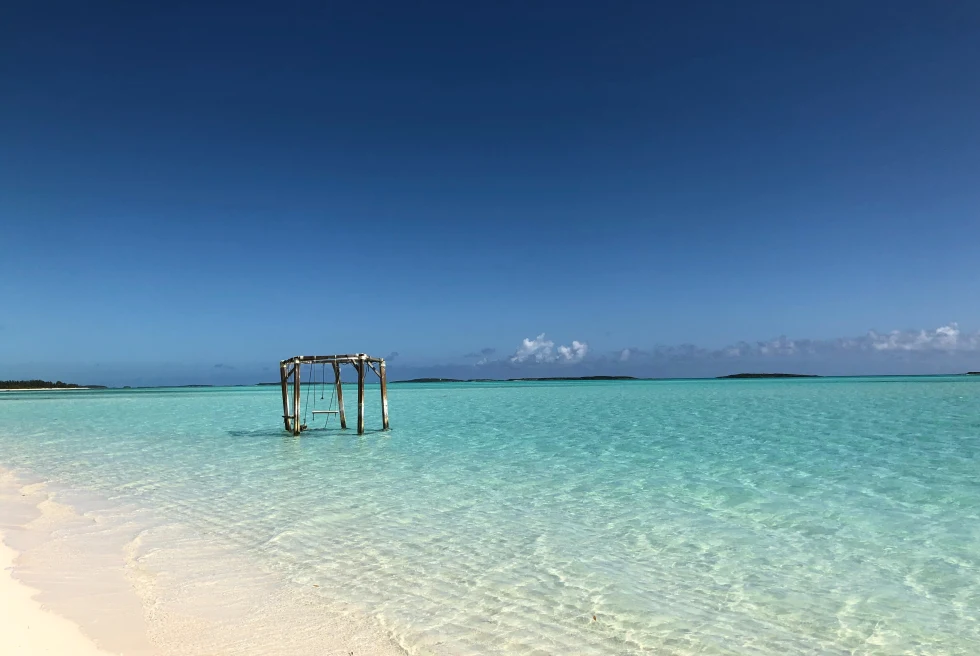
(191,184)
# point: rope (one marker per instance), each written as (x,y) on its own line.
(311,382)
(330,406)
(308,383)
(333,391)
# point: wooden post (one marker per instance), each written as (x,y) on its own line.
(384,396)
(360,396)
(340,395)
(296,378)
(285,394)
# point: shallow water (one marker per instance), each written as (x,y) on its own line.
(830,516)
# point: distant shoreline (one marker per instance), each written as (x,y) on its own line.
(745,376)
(47,389)
(514,380)
(24,385)
(738,376)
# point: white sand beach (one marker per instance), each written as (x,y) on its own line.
(27,628)
(94,580)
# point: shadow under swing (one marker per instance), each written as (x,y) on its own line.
(291,375)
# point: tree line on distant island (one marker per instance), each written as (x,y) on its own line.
(740,376)
(512,380)
(41,384)
(568,378)
(47,384)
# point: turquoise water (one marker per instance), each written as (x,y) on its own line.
(832,516)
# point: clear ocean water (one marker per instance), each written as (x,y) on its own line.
(828,516)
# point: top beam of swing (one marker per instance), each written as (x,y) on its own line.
(360,361)
(348,358)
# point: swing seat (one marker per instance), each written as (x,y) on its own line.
(326,412)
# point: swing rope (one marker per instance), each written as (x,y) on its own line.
(309,383)
(333,392)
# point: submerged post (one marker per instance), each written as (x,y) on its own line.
(296,378)
(285,393)
(360,395)
(340,395)
(384,395)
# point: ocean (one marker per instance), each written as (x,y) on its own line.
(818,516)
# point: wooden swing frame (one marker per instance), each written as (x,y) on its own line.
(291,368)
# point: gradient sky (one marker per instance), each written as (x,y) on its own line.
(190,184)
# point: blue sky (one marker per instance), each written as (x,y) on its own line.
(185,185)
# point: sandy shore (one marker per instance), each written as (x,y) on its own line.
(105,578)
(27,628)
(61,591)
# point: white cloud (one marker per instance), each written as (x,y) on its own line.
(539,349)
(944,338)
(780,346)
(542,349)
(574,353)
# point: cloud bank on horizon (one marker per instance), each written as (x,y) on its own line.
(899,351)
(945,339)
(542,350)
(946,349)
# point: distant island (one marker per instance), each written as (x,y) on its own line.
(432,380)
(43,385)
(732,376)
(973,373)
(512,380)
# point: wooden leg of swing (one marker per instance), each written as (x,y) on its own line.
(360,396)
(296,376)
(384,397)
(285,395)
(340,395)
